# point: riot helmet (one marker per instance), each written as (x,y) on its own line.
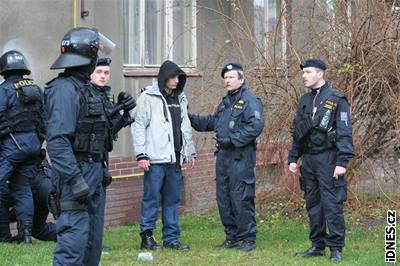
(79,47)
(13,60)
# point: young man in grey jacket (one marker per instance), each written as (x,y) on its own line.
(163,141)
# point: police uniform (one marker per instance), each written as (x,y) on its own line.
(76,136)
(237,123)
(42,186)
(21,133)
(322,137)
(116,123)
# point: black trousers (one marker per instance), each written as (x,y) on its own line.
(235,191)
(324,196)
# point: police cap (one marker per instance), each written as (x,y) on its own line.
(103,61)
(318,63)
(231,66)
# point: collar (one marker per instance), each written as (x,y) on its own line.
(320,89)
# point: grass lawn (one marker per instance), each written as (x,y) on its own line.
(278,239)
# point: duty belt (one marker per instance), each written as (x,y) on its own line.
(73,206)
(316,150)
(87,157)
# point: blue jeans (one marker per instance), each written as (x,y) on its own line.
(162,182)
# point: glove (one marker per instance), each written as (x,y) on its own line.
(107,178)
(80,190)
(225,143)
(126,99)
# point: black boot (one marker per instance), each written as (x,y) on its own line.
(148,241)
(311,252)
(229,243)
(247,245)
(177,245)
(336,255)
(24,232)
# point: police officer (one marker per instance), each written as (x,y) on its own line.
(322,138)
(77,138)
(21,134)
(41,187)
(100,78)
(237,123)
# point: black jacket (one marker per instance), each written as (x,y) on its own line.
(340,121)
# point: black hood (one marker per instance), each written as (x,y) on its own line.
(167,70)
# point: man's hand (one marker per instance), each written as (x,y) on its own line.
(339,171)
(191,162)
(293,167)
(144,165)
(80,189)
(126,99)
(225,143)
(107,178)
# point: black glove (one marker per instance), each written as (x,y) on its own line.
(126,99)
(225,143)
(107,178)
(53,203)
(80,189)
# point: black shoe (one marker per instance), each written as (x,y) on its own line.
(229,243)
(177,245)
(311,252)
(247,245)
(336,255)
(24,232)
(148,241)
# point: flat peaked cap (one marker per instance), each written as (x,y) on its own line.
(103,61)
(231,66)
(318,63)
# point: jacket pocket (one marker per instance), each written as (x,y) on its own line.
(340,187)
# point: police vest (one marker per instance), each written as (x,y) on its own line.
(320,133)
(92,129)
(27,114)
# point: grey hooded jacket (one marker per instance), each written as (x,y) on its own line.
(152,131)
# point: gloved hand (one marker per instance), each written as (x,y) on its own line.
(80,189)
(107,178)
(225,143)
(126,99)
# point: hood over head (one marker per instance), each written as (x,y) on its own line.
(167,70)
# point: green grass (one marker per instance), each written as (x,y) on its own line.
(278,239)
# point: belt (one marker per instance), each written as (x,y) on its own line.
(87,157)
(73,206)
(316,150)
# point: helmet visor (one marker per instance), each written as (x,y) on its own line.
(105,44)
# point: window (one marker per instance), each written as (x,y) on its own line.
(156,30)
(270,29)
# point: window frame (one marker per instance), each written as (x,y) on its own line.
(168,29)
(280,11)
